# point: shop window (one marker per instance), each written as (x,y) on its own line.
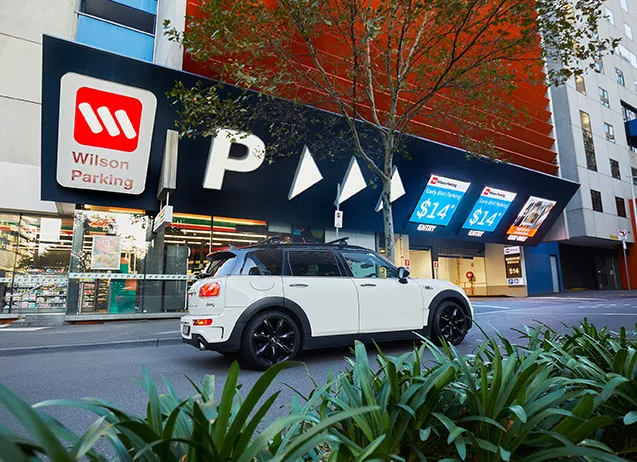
(596,198)
(580,85)
(610,16)
(589,146)
(34,262)
(619,75)
(609,130)
(309,264)
(603,97)
(614,169)
(621,206)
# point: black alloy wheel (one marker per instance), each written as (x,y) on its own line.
(271,338)
(450,323)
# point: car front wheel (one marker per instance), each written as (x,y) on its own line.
(449,323)
(271,338)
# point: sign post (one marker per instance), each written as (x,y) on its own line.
(513,266)
(338,215)
(622,234)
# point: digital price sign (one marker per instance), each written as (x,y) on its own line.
(438,202)
(489,210)
(533,214)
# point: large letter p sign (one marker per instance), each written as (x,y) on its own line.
(219,160)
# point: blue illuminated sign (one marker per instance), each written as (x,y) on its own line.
(489,209)
(439,201)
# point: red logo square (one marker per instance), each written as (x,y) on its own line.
(107,120)
(434,180)
(487,191)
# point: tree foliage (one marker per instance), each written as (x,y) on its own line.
(445,69)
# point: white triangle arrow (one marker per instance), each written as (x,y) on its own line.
(353,182)
(397,189)
(307,174)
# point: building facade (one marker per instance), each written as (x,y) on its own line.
(591,113)
(77,251)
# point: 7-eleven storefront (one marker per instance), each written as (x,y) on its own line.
(102,262)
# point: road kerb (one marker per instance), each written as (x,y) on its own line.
(156,342)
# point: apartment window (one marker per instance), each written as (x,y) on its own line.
(633,172)
(596,198)
(620,77)
(580,85)
(598,65)
(610,16)
(621,206)
(610,132)
(603,97)
(628,30)
(587,135)
(614,169)
(624,5)
(119,13)
(629,113)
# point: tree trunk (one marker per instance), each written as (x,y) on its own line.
(388,220)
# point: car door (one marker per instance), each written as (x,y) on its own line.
(385,303)
(314,282)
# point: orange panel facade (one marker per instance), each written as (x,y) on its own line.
(528,143)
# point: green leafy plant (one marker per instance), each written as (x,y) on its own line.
(197,428)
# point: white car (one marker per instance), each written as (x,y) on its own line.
(272,300)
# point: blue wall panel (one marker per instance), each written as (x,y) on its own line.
(537,261)
(150,6)
(113,38)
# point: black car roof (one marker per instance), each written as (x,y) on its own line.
(270,244)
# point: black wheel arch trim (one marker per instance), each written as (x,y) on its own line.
(452,295)
(233,343)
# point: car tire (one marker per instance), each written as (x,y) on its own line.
(449,322)
(269,338)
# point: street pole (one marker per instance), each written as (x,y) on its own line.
(626,264)
(338,203)
(632,193)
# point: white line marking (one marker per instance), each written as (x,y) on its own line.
(90,117)
(126,124)
(22,329)
(108,120)
(491,306)
(169,332)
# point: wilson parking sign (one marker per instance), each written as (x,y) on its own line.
(489,209)
(439,201)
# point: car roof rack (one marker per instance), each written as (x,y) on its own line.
(339,241)
(274,240)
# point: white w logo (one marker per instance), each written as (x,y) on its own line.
(107,119)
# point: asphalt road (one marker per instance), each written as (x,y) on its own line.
(108,373)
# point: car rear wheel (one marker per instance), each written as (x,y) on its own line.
(270,338)
(450,323)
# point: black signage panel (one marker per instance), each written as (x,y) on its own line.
(75,115)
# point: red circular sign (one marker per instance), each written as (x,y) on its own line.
(470,276)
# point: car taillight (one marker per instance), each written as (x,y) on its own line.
(211,289)
(202,322)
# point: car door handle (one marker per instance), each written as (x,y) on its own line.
(368,285)
(299,285)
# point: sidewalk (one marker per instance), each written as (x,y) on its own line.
(77,337)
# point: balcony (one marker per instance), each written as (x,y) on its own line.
(112,37)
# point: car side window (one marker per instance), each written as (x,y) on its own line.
(263,263)
(313,264)
(368,265)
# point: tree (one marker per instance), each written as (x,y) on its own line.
(388,68)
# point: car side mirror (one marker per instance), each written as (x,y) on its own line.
(403,274)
